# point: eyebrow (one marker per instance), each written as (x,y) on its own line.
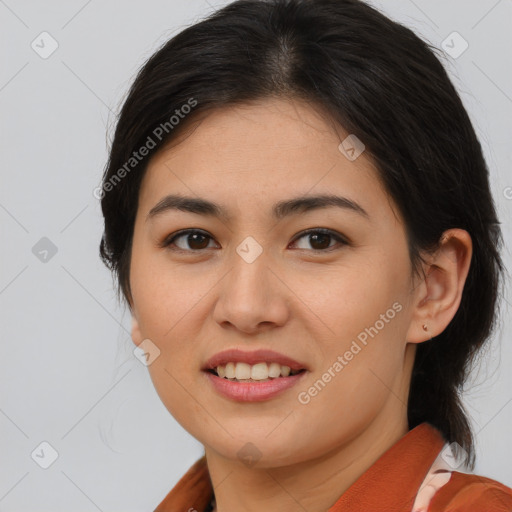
(280,210)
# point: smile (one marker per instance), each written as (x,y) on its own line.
(242,372)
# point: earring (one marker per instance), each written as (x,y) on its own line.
(425,328)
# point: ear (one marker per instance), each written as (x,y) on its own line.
(438,295)
(136,332)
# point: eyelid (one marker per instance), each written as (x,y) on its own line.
(167,241)
(325,231)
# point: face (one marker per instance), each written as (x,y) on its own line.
(329,287)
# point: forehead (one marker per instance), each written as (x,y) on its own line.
(264,151)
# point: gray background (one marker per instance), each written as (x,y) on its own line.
(68,374)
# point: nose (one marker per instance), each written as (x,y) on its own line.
(252,296)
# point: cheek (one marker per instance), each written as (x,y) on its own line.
(351,301)
(170,303)
(365,310)
(355,380)
(166,295)
(176,392)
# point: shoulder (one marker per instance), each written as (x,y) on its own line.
(193,491)
(472,493)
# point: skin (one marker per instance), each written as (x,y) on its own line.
(294,298)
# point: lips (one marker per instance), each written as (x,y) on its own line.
(253,357)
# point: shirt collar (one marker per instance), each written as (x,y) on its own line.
(391,483)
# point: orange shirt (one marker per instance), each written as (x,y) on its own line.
(391,484)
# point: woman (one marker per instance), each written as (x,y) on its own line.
(298,214)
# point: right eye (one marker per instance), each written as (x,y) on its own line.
(193,237)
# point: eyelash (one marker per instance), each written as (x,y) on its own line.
(167,242)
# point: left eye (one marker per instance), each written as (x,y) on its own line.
(198,240)
(319,237)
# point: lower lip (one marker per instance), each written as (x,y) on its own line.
(253,391)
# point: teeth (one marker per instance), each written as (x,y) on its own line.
(274,370)
(242,371)
(230,370)
(259,371)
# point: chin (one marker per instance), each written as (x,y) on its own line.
(259,452)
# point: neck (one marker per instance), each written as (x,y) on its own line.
(313,485)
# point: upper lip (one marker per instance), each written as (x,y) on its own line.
(253,357)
